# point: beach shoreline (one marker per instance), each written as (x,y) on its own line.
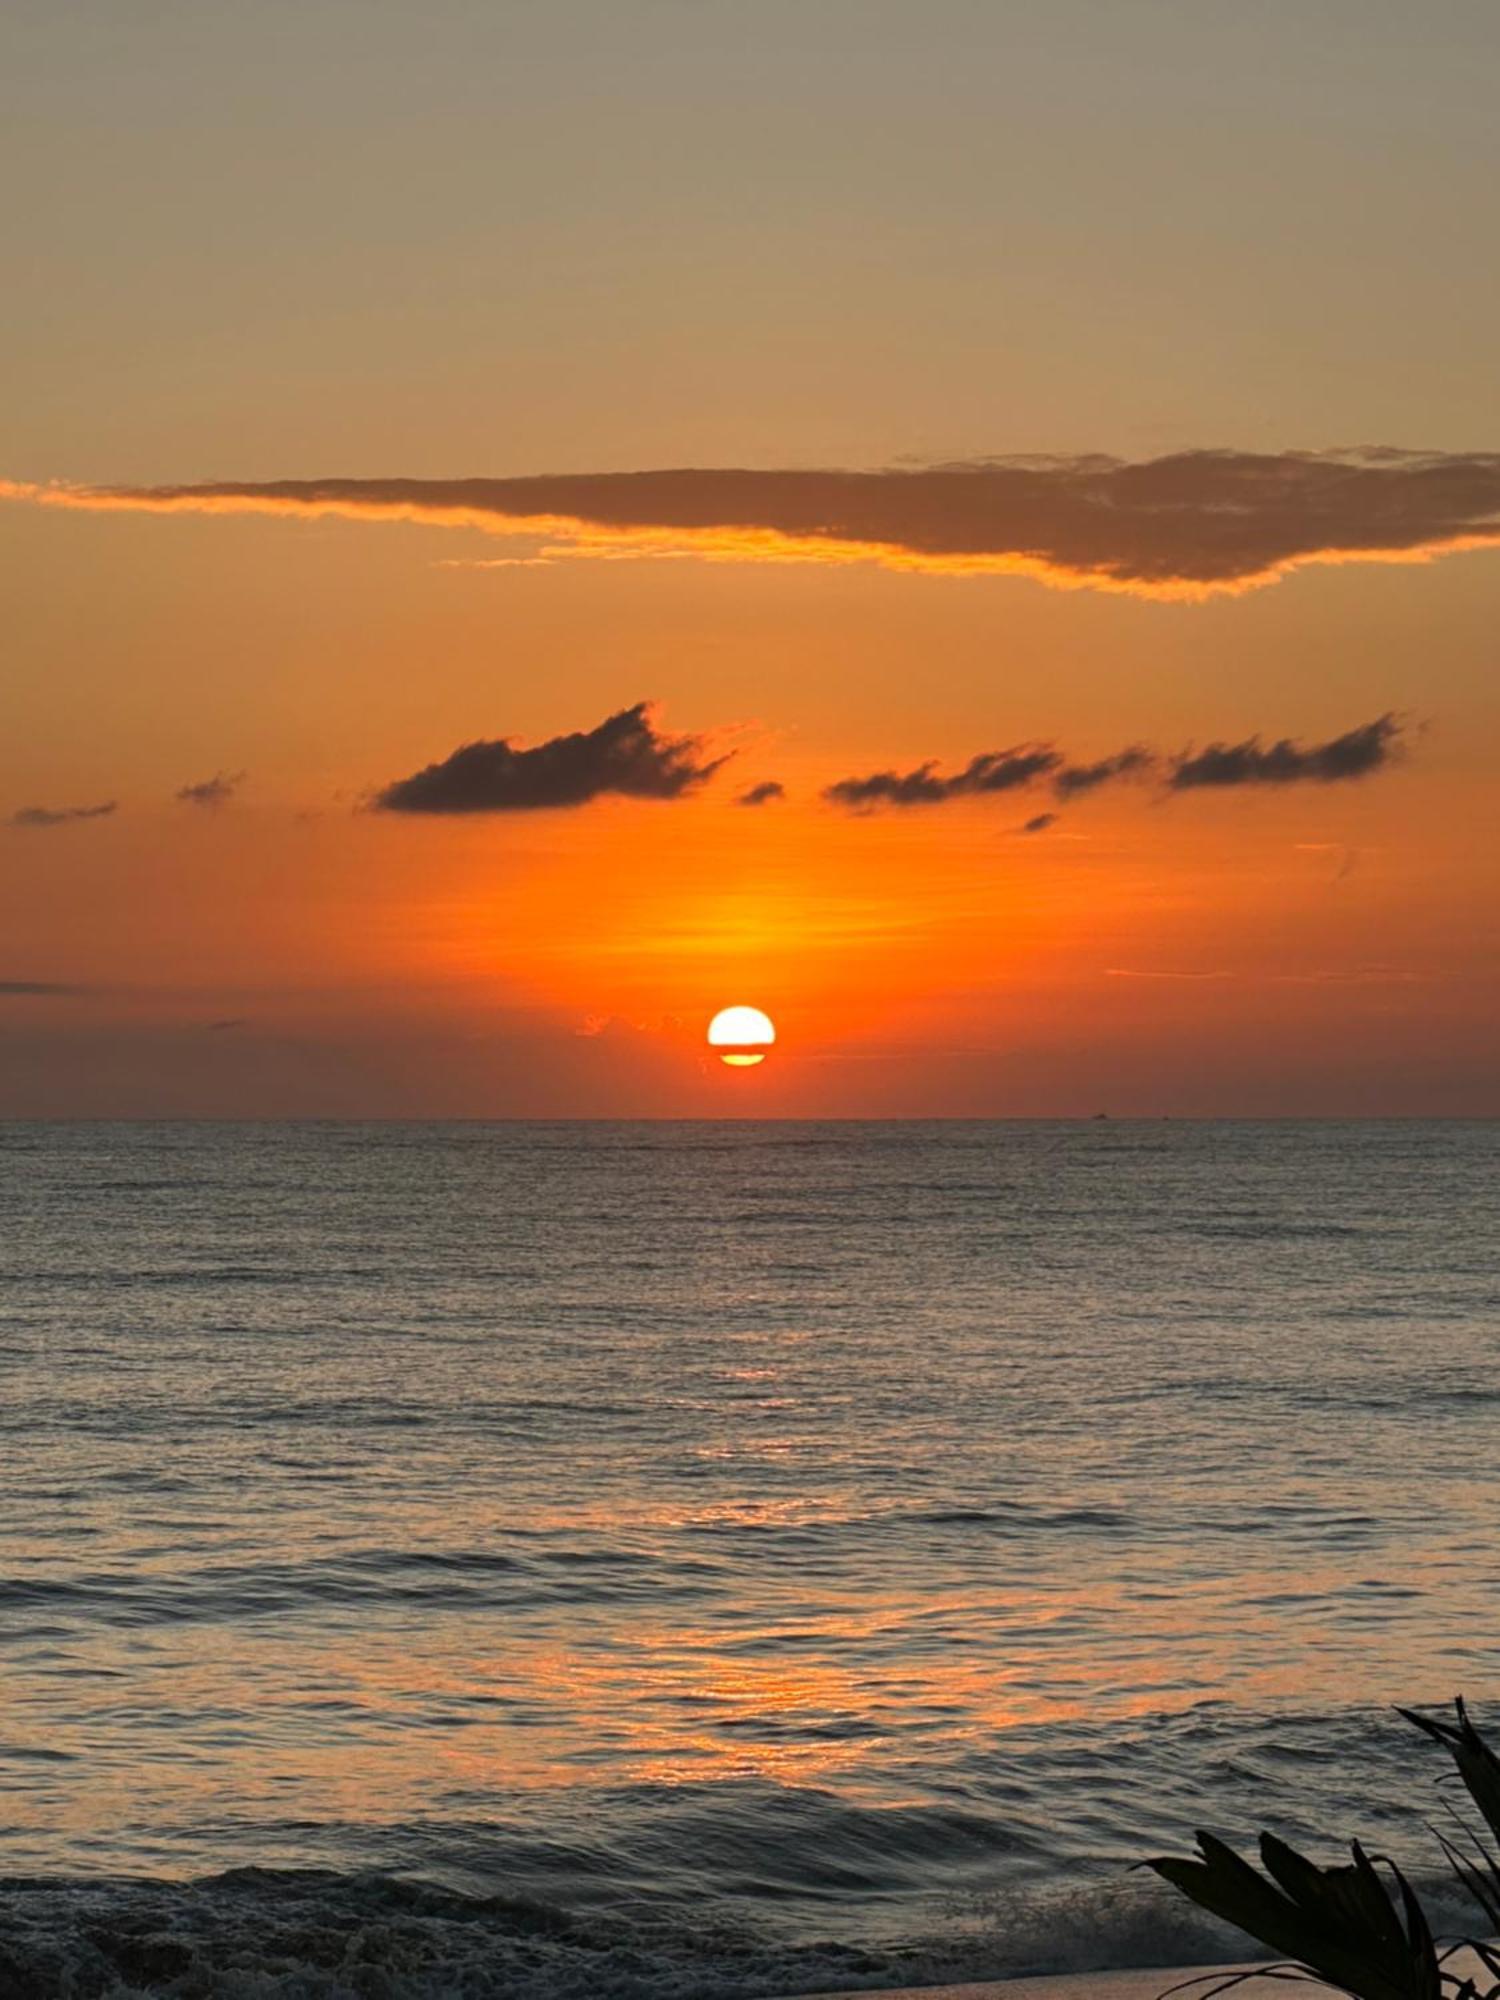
(1126,1983)
(1257,1982)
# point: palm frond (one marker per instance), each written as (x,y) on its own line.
(1477,1763)
(1337,1925)
(1359,1926)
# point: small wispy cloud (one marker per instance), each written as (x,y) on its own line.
(768,792)
(1346,858)
(626,755)
(211,793)
(45,816)
(1159,972)
(990,772)
(1357,975)
(1075,779)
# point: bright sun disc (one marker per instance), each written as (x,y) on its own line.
(741,1036)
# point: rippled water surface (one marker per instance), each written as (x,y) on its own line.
(756,1552)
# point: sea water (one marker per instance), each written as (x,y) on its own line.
(719,1559)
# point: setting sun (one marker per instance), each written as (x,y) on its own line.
(741,1036)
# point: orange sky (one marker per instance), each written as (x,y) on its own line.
(775,248)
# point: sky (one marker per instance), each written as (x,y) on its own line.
(974,528)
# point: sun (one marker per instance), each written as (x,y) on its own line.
(741,1036)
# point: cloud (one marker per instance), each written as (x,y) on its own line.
(990,771)
(1074,779)
(61,815)
(30,989)
(211,793)
(1359,975)
(1134,972)
(625,755)
(1355,754)
(1187,525)
(1346,859)
(763,794)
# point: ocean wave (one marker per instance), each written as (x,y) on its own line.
(262,1934)
(474,1579)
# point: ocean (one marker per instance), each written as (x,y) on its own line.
(719,1559)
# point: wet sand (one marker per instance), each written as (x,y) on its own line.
(1146,1984)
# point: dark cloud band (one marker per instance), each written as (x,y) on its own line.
(1185,525)
(1357,753)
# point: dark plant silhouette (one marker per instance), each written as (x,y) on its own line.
(1353,1927)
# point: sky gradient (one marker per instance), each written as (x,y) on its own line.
(972,528)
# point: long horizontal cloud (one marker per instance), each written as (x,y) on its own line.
(1355,754)
(626,755)
(61,815)
(1358,753)
(1186,525)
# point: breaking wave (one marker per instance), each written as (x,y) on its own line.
(310,1934)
